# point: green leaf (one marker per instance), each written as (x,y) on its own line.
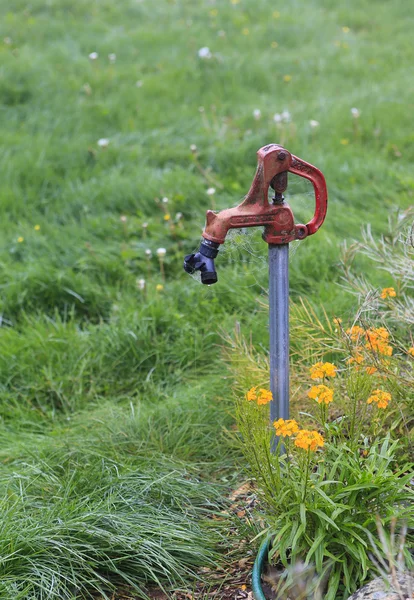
(333,584)
(303,514)
(323,516)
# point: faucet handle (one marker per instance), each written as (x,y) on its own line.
(308,171)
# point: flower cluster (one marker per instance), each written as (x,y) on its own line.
(388,292)
(261,397)
(321,370)
(380,398)
(286,428)
(321,393)
(355,332)
(309,440)
(376,340)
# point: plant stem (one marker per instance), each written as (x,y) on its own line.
(306,475)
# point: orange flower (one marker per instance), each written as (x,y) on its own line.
(380,398)
(410,351)
(388,293)
(377,341)
(309,440)
(355,332)
(264,396)
(251,394)
(357,358)
(286,428)
(371,370)
(320,370)
(321,393)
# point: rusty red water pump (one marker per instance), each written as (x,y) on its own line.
(274,164)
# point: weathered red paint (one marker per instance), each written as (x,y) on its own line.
(274,162)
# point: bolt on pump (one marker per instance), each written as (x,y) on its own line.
(274,164)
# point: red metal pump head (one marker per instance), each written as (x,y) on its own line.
(274,163)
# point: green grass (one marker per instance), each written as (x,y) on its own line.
(96,375)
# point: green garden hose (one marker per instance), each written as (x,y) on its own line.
(258,566)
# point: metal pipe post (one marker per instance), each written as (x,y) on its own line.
(279,332)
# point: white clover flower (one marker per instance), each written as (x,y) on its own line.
(103,143)
(145,225)
(148,253)
(93,55)
(178,216)
(211,191)
(112,58)
(193,148)
(165,200)
(141,284)
(139,83)
(7,40)
(205,53)
(123,218)
(161,252)
(286,116)
(277,118)
(257,113)
(355,112)
(313,123)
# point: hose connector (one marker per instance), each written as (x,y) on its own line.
(203,261)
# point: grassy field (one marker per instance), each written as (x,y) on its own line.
(114,400)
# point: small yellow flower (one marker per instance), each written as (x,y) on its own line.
(167,217)
(251,394)
(320,370)
(274,44)
(287,78)
(410,351)
(276,14)
(159,287)
(388,293)
(344,141)
(321,393)
(346,29)
(234,1)
(380,398)
(286,428)
(20,239)
(264,396)
(36,227)
(245,31)
(213,12)
(309,440)
(337,321)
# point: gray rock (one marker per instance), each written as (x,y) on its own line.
(399,588)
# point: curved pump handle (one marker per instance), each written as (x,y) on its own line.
(304,169)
